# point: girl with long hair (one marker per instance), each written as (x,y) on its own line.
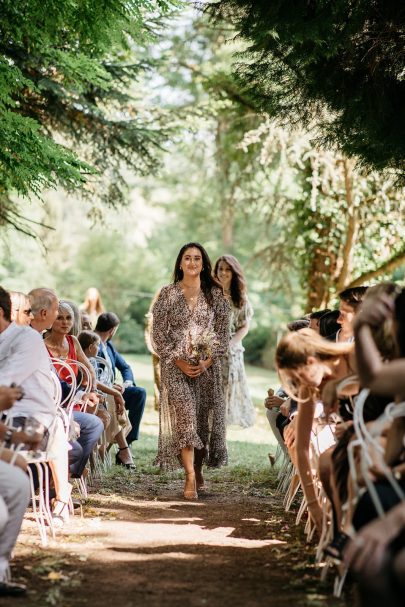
(190,335)
(239,405)
(92,305)
(305,363)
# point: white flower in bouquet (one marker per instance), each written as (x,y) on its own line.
(201,343)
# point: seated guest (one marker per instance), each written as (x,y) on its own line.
(85,321)
(376,555)
(350,301)
(279,406)
(90,343)
(305,362)
(120,425)
(329,326)
(77,318)
(14,491)
(134,396)
(60,344)
(24,361)
(44,306)
(315,317)
(20,308)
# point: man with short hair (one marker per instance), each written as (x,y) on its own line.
(44,307)
(350,301)
(24,361)
(134,396)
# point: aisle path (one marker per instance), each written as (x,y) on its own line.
(148,550)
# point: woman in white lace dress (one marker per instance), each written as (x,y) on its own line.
(239,405)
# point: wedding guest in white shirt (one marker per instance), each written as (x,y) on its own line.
(14,493)
(44,309)
(24,361)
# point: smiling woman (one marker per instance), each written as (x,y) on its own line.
(190,335)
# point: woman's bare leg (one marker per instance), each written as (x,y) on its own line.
(187,458)
(199,455)
(125,454)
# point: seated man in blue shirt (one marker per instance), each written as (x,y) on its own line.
(134,396)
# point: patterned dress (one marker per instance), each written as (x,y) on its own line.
(239,406)
(191,410)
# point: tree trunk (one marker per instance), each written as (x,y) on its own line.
(351,231)
(323,266)
(225,192)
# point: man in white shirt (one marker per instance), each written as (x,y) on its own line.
(24,361)
(44,308)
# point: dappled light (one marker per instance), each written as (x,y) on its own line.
(202,327)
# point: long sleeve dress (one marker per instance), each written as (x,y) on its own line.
(191,410)
(239,406)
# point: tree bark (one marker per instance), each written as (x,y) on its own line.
(225,193)
(351,231)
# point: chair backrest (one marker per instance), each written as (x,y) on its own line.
(370,447)
(104,370)
(71,376)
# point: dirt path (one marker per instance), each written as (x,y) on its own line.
(141,544)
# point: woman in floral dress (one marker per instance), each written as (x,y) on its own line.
(190,333)
(239,406)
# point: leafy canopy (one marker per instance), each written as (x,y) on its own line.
(339,63)
(67,104)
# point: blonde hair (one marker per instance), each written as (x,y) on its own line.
(295,348)
(19,302)
(93,302)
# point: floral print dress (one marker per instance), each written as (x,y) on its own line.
(239,406)
(191,410)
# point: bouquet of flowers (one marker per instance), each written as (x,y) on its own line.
(201,344)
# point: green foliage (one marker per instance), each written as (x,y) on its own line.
(67,105)
(254,343)
(235,180)
(130,337)
(337,63)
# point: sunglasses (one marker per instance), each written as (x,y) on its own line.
(26,312)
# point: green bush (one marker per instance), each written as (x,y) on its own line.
(130,337)
(254,344)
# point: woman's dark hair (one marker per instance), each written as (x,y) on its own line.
(87,338)
(5,303)
(318,314)
(238,282)
(297,325)
(107,321)
(208,282)
(353,296)
(328,325)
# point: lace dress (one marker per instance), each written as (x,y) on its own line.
(191,410)
(239,406)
